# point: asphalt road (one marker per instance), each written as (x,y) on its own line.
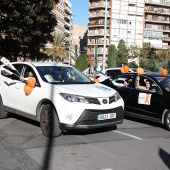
(133,145)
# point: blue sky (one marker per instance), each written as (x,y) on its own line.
(80,8)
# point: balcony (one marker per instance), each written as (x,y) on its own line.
(67,31)
(67,17)
(98,15)
(148,2)
(99,5)
(165,12)
(67,24)
(91,34)
(98,43)
(156,21)
(166,40)
(68,10)
(158,29)
(97,24)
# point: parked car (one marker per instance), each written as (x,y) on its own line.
(114,71)
(150,104)
(63,98)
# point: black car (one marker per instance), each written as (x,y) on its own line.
(152,104)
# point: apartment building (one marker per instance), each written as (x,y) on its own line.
(127,22)
(138,22)
(63,14)
(96,28)
(157,24)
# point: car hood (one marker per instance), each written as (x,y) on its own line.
(91,90)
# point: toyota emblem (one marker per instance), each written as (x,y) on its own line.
(104,101)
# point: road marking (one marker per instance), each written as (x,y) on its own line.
(132,136)
(107,169)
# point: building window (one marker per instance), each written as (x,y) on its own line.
(132,4)
(155,17)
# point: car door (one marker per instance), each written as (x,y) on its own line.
(118,81)
(146,103)
(23,102)
(7,88)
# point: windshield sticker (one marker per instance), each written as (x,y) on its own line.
(49,78)
(103,88)
(144,98)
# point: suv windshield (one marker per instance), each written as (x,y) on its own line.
(164,81)
(62,75)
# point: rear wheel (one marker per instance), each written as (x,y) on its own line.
(3,114)
(49,122)
(167,120)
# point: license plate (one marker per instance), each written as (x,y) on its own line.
(106,116)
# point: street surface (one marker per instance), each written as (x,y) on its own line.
(133,145)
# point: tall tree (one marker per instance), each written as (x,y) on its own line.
(58,50)
(122,53)
(112,55)
(25,26)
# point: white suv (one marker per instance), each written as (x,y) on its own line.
(63,98)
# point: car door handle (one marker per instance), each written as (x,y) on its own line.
(17,87)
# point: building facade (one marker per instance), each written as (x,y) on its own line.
(63,13)
(137,22)
(157,24)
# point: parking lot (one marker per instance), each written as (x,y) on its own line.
(135,144)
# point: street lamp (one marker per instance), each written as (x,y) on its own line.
(104,46)
(96,54)
(70,29)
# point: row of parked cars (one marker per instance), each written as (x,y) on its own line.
(63,98)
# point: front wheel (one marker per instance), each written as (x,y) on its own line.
(3,114)
(167,120)
(49,122)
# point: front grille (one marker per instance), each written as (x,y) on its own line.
(96,122)
(93,100)
(102,111)
(111,99)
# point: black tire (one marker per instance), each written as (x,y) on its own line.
(167,120)
(49,122)
(3,114)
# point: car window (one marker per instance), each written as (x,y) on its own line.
(10,73)
(164,81)
(112,72)
(120,81)
(154,87)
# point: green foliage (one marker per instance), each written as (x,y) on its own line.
(151,65)
(112,55)
(58,51)
(122,53)
(26,25)
(133,50)
(82,62)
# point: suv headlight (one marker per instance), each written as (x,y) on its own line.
(74,98)
(117,96)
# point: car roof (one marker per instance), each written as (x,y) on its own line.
(150,74)
(43,64)
(115,68)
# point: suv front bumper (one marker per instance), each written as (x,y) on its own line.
(88,119)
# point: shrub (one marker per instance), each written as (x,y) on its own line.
(82,62)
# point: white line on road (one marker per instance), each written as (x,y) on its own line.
(132,136)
